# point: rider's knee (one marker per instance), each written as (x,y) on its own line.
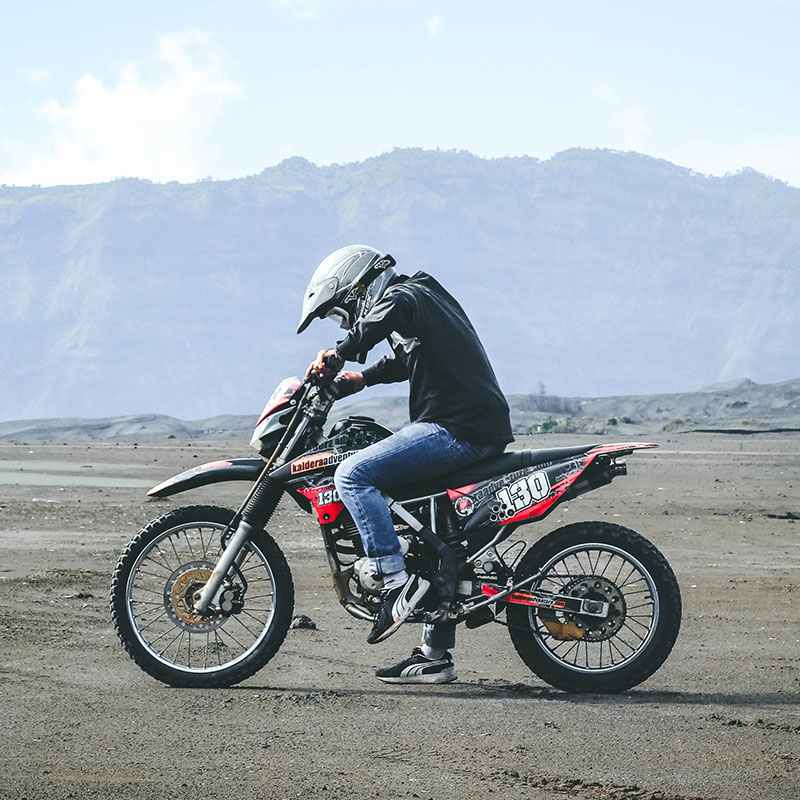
(343,477)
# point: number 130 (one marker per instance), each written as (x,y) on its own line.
(525,492)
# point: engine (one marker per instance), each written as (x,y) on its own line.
(365,572)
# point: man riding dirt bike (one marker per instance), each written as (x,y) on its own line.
(203,595)
(458,416)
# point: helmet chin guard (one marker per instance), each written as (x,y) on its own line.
(346,285)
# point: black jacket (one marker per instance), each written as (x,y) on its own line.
(436,348)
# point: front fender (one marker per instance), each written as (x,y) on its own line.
(234,469)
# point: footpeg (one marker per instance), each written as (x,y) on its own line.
(481,616)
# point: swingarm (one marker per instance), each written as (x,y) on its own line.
(536,598)
(546,600)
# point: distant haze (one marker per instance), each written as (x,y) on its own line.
(593,273)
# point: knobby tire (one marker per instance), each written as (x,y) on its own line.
(652,655)
(283,602)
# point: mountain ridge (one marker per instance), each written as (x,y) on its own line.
(594,272)
(751,406)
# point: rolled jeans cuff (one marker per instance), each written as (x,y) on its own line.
(386,565)
(441,636)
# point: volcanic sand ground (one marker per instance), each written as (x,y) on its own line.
(720,719)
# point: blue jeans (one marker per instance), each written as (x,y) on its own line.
(419,451)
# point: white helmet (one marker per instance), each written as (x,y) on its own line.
(346,285)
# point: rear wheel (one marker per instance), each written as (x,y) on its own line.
(152,602)
(609,564)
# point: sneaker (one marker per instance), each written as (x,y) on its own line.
(396,605)
(418,669)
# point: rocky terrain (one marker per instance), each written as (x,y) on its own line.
(737,406)
(719,721)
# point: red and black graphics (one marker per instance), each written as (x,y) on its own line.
(313,462)
(533,491)
(274,418)
(281,397)
(324,500)
(310,476)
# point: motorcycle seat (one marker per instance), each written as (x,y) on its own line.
(500,464)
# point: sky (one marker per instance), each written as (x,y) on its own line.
(93,91)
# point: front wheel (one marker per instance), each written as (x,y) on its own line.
(609,564)
(152,604)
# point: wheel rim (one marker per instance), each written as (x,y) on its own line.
(593,645)
(159,602)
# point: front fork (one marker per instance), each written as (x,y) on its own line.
(254,514)
(234,553)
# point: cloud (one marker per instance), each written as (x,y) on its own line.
(152,124)
(35,76)
(630,122)
(434,26)
(606,93)
(301,9)
(776,156)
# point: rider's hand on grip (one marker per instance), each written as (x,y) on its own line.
(326,364)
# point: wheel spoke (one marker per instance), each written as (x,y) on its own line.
(236,618)
(580,564)
(219,645)
(227,632)
(163,565)
(203,543)
(174,549)
(250,569)
(188,544)
(161,636)
(145,589)
(259,621)
(608,563)
(612,647)
(636,622)
(151,574)
(599,572)
(143,628)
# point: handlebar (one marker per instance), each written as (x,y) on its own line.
(334,387)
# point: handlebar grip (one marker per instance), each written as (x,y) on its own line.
(332,361)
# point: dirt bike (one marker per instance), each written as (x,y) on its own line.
(203,596)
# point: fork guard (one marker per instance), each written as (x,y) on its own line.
(233,469)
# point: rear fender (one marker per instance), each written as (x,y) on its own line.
(234,469)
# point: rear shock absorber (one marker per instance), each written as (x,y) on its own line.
(450,533)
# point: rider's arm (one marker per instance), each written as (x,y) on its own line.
(388,369)
(391,313)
